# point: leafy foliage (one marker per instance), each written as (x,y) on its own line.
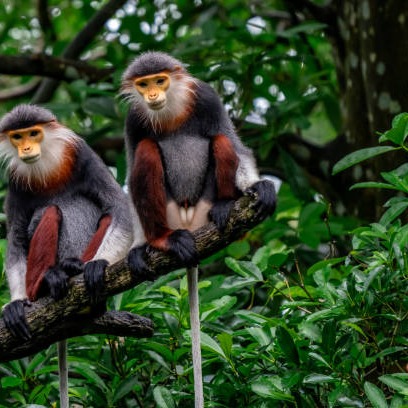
(299,313)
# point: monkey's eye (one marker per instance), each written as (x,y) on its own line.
(142,84)
(16,136)
(34,133)
(160,81)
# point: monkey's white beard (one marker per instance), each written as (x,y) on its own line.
(179,98)
(53,148)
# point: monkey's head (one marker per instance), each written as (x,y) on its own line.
(159,87)
(23,127)
(32,142)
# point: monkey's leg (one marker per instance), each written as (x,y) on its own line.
(42,256)
(41,267)
(192,282)
(147,185)
(94,270)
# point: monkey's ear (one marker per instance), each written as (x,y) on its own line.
(178,68)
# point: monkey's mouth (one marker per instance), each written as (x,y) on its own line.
(157,105)
(31,159)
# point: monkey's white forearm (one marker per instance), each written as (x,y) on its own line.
(138,234)
(247,172)
(16,272)
(115,244)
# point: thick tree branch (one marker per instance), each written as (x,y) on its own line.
(52,67)
(50,321)
(79,44)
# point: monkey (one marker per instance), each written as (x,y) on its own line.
(65,215)
(186,167)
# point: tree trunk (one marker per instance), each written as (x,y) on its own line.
(371,60)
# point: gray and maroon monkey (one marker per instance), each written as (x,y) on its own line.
(186,164)
(65,212)
(186,167)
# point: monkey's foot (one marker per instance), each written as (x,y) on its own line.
(137,264)
(94,273)
(56,281)
(220,213)
(181,243)
(72,266)
(265,191)
(15,320)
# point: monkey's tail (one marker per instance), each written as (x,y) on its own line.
(192,281)
(63,373)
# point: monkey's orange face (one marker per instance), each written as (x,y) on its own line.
(27,141)
(153,89)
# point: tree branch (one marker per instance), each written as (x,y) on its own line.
(79,44)
(52,67)
(51,321)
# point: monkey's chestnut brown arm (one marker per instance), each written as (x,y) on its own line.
(51,321)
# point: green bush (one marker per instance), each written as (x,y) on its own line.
(285,323)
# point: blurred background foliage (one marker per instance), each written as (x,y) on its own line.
(307,310)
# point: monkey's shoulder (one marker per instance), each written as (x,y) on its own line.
(207,99)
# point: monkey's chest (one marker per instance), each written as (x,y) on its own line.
(186,165)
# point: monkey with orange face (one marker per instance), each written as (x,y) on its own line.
(65,212)
(186,164)
(65,215)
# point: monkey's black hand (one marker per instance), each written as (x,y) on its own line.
(182,244)
(265,191)
(15,320)
(72,266)
(56,280)
(94,274)
(220,213)
(137,264)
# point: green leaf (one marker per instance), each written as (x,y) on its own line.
(163,397)
(210,344)
(266,388)
(170,291)
(395,383)
(287,345)
(225,340)
(375,395)
(399,131)
(7,382)
(217,308)
(125,387)
(373,184)
(393,212)
(263,337)
(318,379)
(359,156)
(244,268)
